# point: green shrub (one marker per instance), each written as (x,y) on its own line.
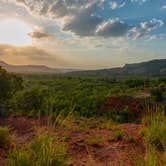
(9,84)
(157,94)
(121,116)
(29,101)
(133,83)
(5,138)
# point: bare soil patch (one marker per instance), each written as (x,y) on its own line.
(110,152)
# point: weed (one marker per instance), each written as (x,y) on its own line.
(156,131)
(42,151)
(131,138)
(19,157)
(163,158)
(118,134)
(95,141)
(150,158)
(47,152)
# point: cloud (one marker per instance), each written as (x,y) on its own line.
(80,17)
(144,28)
(84,18)
(156,37)
(39,35)
(112,28)
(114,5)
(139,1)
(163,7)
(25,51)
(84,22)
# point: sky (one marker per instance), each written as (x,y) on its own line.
(86,34)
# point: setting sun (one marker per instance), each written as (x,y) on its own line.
(15,32)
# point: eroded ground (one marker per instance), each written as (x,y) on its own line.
(110,144)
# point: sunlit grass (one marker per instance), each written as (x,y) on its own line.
(42,151)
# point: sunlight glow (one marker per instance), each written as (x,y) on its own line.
(15,32)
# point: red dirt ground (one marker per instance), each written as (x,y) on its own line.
(111,152)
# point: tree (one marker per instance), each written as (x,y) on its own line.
(9,84)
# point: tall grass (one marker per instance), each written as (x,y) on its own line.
(57,119)
(42,151)
(150,158)
(19,157)
(47,152)
(154,132)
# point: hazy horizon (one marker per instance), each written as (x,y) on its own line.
(84,34)
(76,68)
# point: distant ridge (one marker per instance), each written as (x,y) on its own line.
(150,68)
(33,69)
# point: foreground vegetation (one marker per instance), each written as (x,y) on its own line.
(56,109)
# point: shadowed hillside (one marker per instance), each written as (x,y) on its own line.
(150,68)
(34,69)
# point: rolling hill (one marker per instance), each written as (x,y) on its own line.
(33,69)
(150,68)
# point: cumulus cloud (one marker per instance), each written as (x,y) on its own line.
(112,28)
(82,18)
(84,22)
(145,27)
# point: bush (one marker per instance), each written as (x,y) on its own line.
(134,83)
(157,95)
(121,116)
(9,84)
(5,138)
(30,101)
